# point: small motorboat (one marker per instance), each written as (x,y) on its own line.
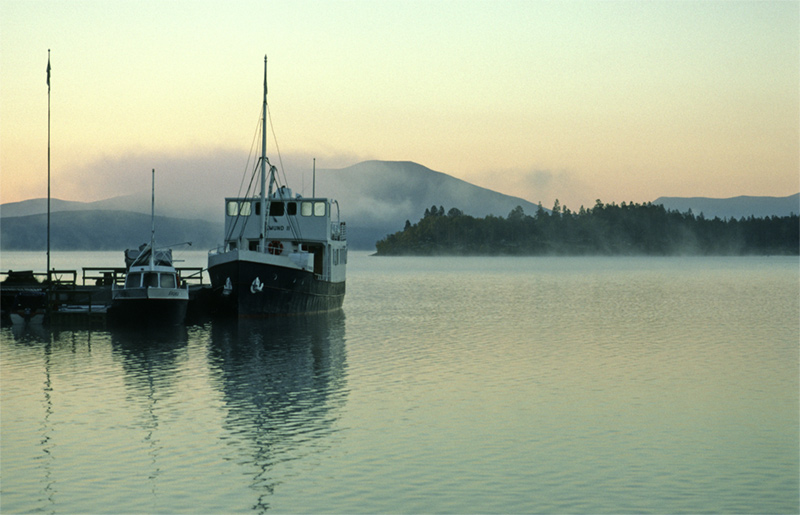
(152,293)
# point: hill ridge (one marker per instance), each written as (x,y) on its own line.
(376,197)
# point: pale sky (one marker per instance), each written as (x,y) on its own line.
(575,100)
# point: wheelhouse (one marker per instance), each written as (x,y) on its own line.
(151,279)
(288,220)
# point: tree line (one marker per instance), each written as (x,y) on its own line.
(605,229)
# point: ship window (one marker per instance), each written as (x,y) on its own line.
(233,208)
(133,280)
(319,208)
(276,209)
(232,245)
(258,208)
(306,208)
(150,279)
(253,244)
(291,208)
(167,280)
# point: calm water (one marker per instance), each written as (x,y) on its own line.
(513,385)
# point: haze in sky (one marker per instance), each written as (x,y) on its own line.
(575,100)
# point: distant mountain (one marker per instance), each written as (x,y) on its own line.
(136,203)
(38,206)
(102,230)
(736,207)
(375,198)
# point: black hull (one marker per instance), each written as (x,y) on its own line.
(261,289)
(148,312)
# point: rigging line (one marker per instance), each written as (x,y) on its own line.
(251,154)
(277,149)
(238,209)
(239,213)
(295,227)
(247,195)
(256,133)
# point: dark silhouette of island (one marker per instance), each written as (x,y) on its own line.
(605,229)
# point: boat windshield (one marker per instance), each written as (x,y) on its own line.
(134,280)
(168,281)
(150,280)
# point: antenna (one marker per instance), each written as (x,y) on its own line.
(314,180)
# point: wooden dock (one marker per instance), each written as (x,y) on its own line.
(84,298)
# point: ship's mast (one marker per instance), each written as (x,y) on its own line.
(264,162)
(153,220)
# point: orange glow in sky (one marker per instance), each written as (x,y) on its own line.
(576,100)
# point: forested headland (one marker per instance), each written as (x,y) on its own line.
(605,229)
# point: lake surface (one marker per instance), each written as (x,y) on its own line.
(445,385)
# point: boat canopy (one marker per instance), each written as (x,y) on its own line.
(162,257)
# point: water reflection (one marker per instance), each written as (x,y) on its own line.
(45,431)
(25,332)
(31,367)
(187,409)
(149,355)
(283,383)
(150,359)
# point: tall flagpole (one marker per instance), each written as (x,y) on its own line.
(48,166)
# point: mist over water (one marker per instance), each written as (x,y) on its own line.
(495,385)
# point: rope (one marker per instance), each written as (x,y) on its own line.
(244,174)
(277,149)
(293,225)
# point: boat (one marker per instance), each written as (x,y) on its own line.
(17,282)
(152,293)
(30,307)
(282,253)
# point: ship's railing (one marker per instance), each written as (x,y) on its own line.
(102,276)
(90,276)
(338,231)
(191,274)
(227,247)
(220,249)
